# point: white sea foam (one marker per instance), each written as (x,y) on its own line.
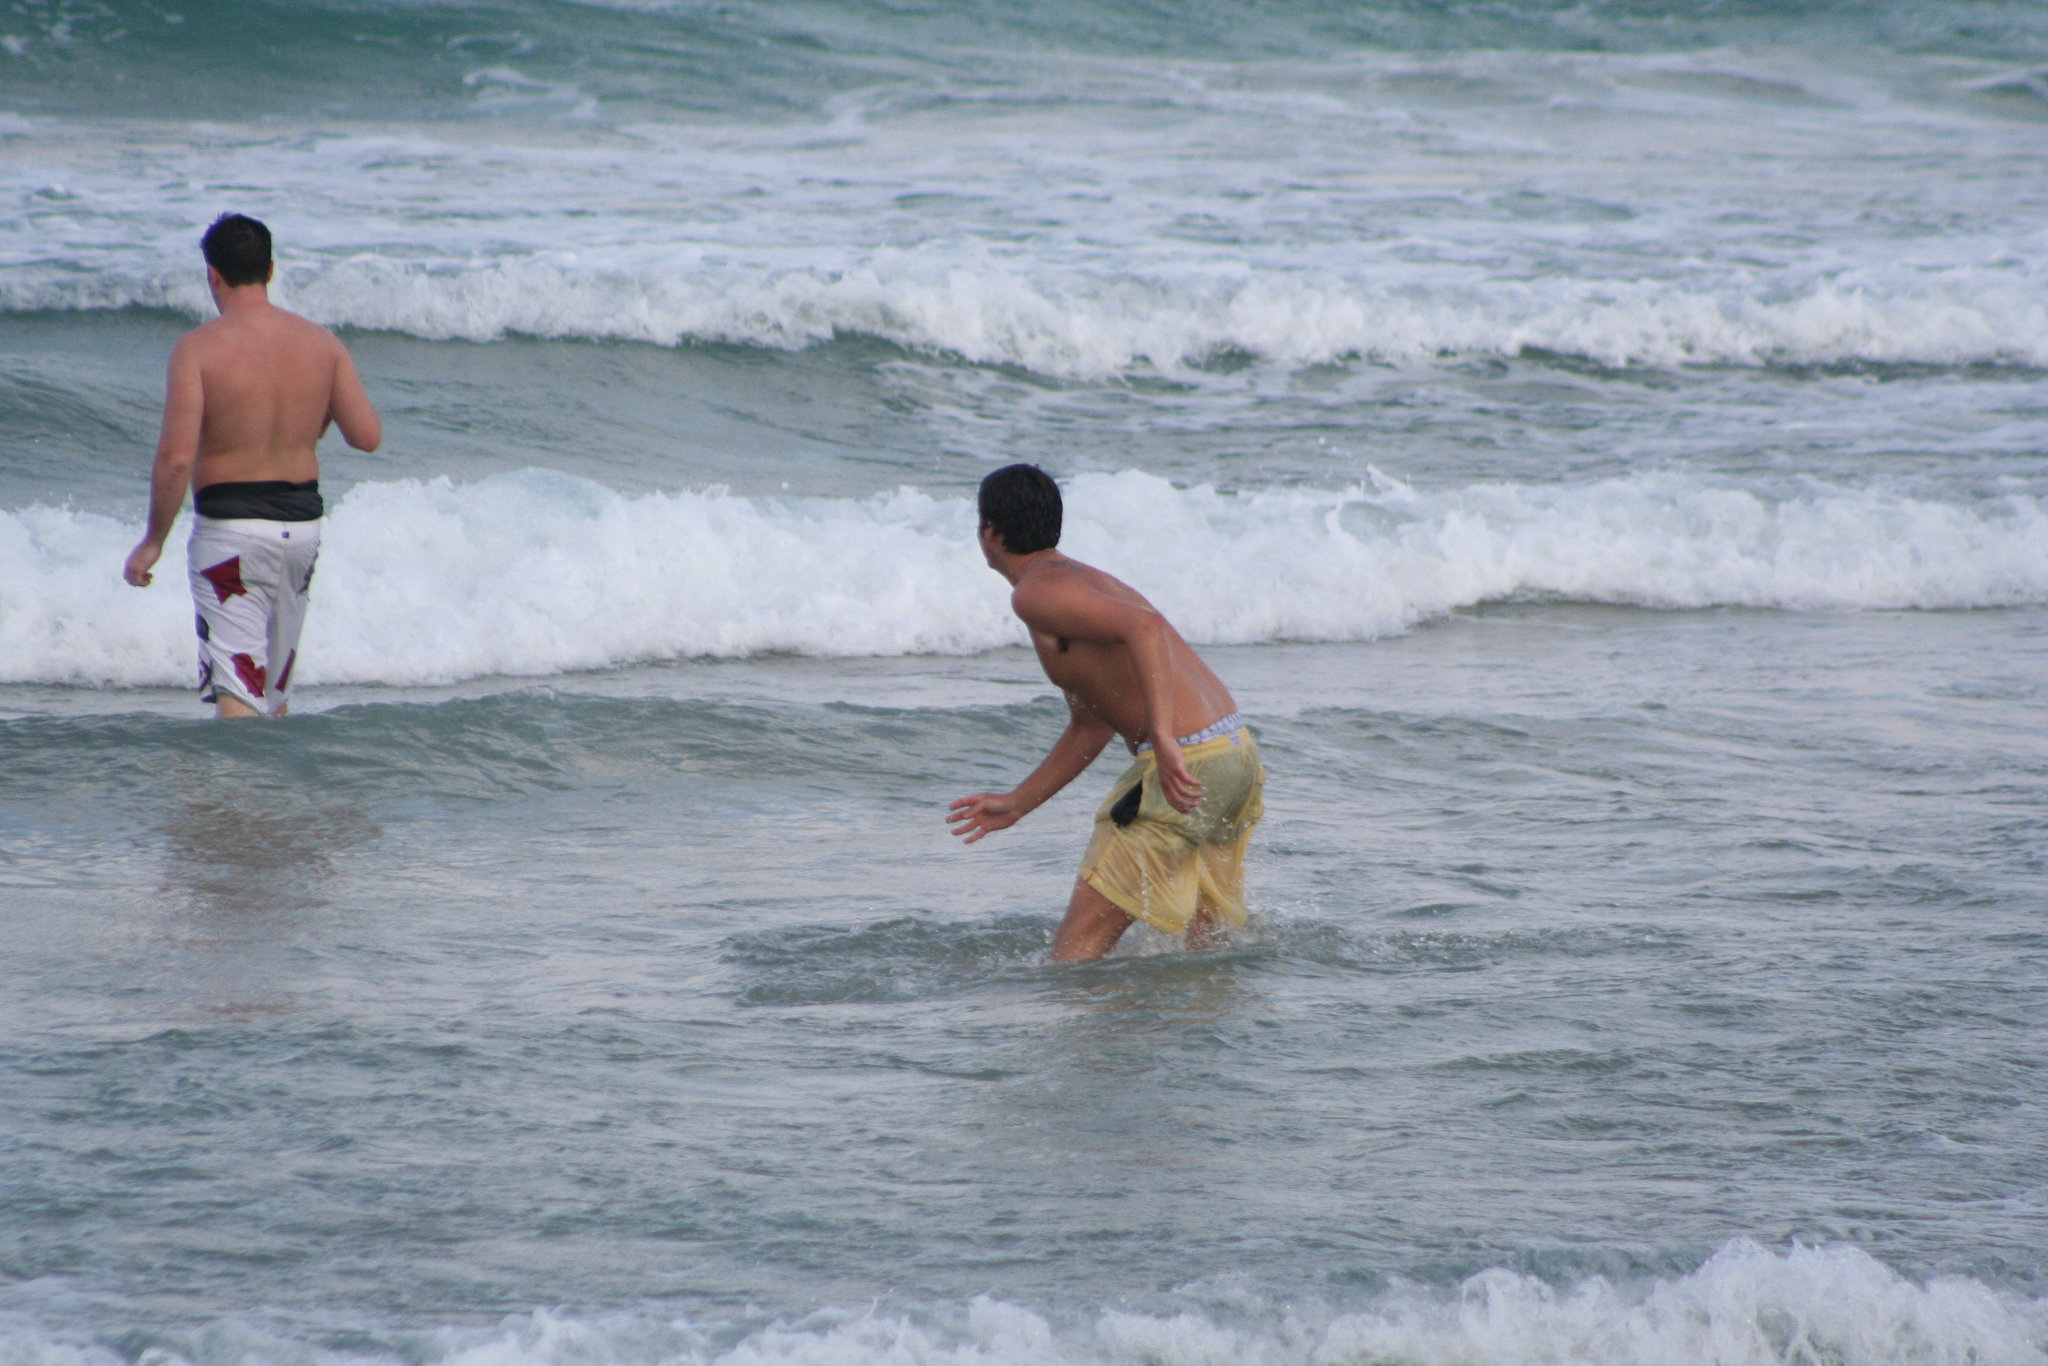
(1746,1306)
(539,573)
(1078,325)
(1089,326)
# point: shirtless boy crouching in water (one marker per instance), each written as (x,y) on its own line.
(248,397)
(1169,842)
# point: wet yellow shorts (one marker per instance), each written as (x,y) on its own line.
(1162,866)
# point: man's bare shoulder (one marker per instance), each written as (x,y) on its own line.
(304,326)
(208,336)
(303,332)
(1048,581)
(1057,588)
(269,327)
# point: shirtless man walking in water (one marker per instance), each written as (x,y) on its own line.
(248,397)
(1169,842)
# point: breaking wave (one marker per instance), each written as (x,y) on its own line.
(538,572)
(1087,328)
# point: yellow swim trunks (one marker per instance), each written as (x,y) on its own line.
(1162,866)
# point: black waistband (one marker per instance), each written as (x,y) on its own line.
(274,500)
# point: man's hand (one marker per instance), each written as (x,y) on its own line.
(984,813)
(1183,791)
(140,561)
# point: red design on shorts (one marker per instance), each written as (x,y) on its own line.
(226,578)
(284,680)
(251,674)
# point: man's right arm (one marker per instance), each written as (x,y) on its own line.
(987,812)
(177,447)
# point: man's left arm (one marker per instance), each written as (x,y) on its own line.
(350,408)
(1080,612)
(177,447)
(1148,638)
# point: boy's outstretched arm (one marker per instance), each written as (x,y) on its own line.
(983,813)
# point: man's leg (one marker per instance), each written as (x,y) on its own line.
(235,588)
(1092,926)
(300,553)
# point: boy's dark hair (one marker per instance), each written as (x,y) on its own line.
(239,248)
(1023,505)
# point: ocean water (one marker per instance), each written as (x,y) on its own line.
(1601,444)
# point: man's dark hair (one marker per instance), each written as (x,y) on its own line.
(1023,505)
(239,248)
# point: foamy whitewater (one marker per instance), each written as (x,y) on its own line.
(1600,445)
(540,573)
(1744,1306)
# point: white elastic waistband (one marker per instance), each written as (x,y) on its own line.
(251,524)
(1234,721)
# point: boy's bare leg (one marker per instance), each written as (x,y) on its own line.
(225,706)
(1091,928)
(1203,932)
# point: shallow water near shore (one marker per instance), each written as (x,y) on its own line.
(1601,446)
(1585,939)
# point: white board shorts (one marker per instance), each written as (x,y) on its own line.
(250,578)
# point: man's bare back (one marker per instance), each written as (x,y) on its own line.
(270,382)
(246,400)
(248,396)
(1125,672)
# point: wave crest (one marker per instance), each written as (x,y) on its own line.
(539,573)
(1081,326)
